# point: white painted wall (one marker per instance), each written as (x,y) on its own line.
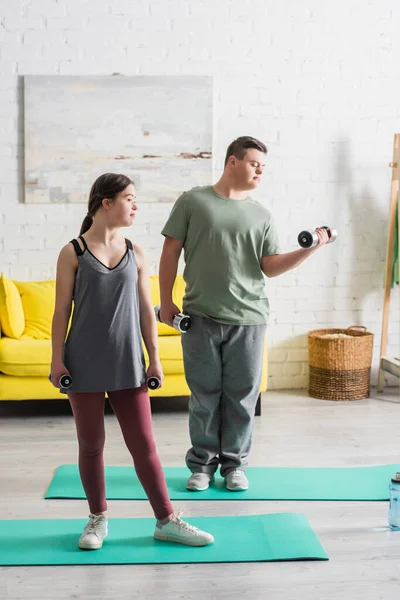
(316,80)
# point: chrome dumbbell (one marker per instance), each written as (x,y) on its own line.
(65,381)
(153,383)
(309,239)
(181,321)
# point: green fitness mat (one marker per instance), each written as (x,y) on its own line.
(266,483)
(281,536)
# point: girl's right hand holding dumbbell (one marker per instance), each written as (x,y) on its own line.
(57,370)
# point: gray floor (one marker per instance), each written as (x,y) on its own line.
(294,430)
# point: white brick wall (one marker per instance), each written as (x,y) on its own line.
(316,80)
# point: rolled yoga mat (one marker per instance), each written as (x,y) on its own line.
(266,483)
(256,538)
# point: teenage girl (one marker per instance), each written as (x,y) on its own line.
(107,278)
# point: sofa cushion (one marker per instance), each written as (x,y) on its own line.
(38,301)
(12,319)
(171,355)
(28,357)
(25,357)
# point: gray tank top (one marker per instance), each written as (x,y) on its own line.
(103,350)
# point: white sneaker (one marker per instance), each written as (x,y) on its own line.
(236,481)
(181,532)
(198,482)
(94,533)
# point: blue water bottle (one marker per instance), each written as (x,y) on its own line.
(394,506)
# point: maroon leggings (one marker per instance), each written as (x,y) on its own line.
(132,409)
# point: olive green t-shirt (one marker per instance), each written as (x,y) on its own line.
(223,243)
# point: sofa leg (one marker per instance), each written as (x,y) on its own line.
(258,406)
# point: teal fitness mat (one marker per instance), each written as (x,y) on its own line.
(266,483)
(281,536)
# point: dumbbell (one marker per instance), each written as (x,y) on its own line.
(181,321)
(65,381)
(309,239)
(153,383)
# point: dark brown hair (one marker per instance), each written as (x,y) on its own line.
(109,186)
(239,147)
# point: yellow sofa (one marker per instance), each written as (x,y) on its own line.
(26,311)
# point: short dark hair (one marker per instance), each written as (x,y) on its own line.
(239,147)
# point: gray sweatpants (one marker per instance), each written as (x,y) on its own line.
(223,368)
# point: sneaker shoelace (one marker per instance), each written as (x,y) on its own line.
(94,526)
(237,474)
(183,524)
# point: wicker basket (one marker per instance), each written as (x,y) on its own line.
(340,367)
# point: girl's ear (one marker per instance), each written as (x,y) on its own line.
(106,203)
